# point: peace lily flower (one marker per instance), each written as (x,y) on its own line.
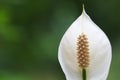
(85,51)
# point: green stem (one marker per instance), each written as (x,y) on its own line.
(84,74)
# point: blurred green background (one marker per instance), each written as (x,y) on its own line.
(30,32)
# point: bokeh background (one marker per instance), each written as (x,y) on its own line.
(30,32)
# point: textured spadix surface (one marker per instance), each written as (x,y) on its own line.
(99,50)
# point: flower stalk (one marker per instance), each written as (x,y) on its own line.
(84,74)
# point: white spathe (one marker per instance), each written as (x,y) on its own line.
(100,50)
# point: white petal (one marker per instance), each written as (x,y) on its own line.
(99,45)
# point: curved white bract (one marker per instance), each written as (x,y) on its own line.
(99,50)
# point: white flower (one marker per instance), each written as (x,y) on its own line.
(85,46)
